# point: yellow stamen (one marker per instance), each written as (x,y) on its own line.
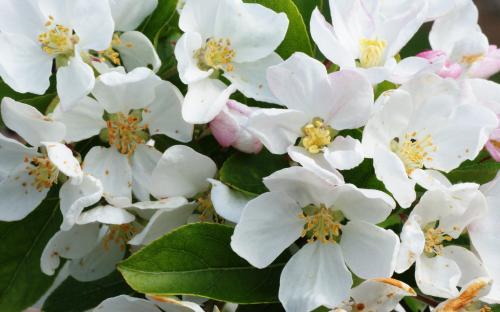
(43,171)
(119,234)
(110,54)
(207,210)
(371,52)
(322,224)
(317,135)
(58,39)
(471,58)
(125,132)
(413,151)
(434,239)
(216,54)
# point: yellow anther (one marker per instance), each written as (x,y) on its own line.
(217,54)
(434,239)
(125,132)
(471,58)
(43,171)
(316,136)
(120,234)
(206,209)
(413,151)
(322,224)
(110,54)
(58,39)
(371,52)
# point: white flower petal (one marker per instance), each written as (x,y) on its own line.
(112,169)
(124,303)
(381,294)
(74,82)
(323,35)
(306,281)
(19,196)
(470,265)
(181,171)
(143,162)
(165,203)
(250,78)
(12,154)
(97,264)
(369,251)
(204,100)
(254,30)
(164,115)
(22,18)
(105,214)
(162,222)
(24,66)
(366,205)
(391,171)
(412,244)
(83,121)
(137,51)
(262,234)
(277,129)
(72,244)
(344,153)
(228,203)
(62,157)
(119,92)
(187,63)
(30,124)
(75,198)
(128,14)
(199,16)
(437,276)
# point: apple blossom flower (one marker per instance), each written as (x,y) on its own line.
(449,69)
(441,215)
(339,222)
(229,128)
(319,105)
(30,172)
(127,110)
(35,33)
(230,37)
(459,38)
(367,36)
(483,233)
(433,129)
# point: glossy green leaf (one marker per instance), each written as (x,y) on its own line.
(245,172)
(306,7)
(159,19)
(364,176)
(76,296)
(21,280)
(480,172)
(197,259)
(297,38)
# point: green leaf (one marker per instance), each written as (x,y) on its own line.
(159,19)
(364,176)
(481,170)
(197,259)
(306,7)
(275,307)
(21,281)
(76,296)
(414,305)
(297,38)
(244,172)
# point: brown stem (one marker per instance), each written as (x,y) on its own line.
(427,300)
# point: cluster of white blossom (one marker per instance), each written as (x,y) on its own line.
(95,148)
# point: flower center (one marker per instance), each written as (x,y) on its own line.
(495,143)
(58,39)
(371,52)
(471,58)
(217,54)
(434,238)
(322,224)
(412,151)
(120,234)
(43,171)
(110,53)
(316,135)
(125,132)
(206,209)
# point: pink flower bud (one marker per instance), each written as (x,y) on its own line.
(449,69)
(228,128)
